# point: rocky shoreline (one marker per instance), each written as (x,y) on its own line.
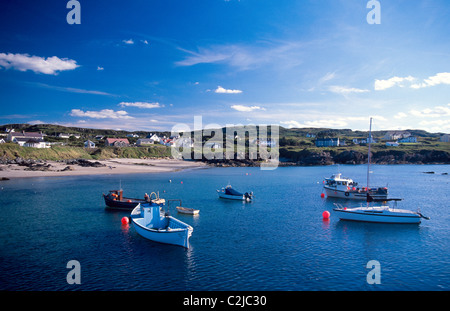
(310,158)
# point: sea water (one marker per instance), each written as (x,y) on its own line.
(277,242)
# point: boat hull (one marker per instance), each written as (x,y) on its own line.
(175,232)
(189,211)
(353,195)
(378,215)
(122,204)
(232,197)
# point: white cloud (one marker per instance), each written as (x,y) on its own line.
(394,81)
(130,41)
(102,114)
(345,90)
(100,68)
(23,62)
(439,78)
(291,124)
(400,115)
(246,108)
(144,41)
(221,90)
(141,105)
(434,112)
(34,122)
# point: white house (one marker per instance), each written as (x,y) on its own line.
(154,137)
(133,135)
(394,135)
(13,135)
(63,135)
(89,144)
(183,142)
(145,141)
(392,144)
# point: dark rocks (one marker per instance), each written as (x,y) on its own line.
(84,163)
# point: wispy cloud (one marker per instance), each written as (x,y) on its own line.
(141,105)
(246,108)
(440,78)
(100,68)
(346,90)
(23,62)
(71,89)
(129,41)
(102,114)
(245,57)
(222,90)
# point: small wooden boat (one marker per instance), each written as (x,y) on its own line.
(115,200)
(229,193)
(152,223)
(186,210)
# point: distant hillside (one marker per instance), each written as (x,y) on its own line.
(295,145)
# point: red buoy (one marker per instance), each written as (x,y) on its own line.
(326,215)
(322,195)
(124,220)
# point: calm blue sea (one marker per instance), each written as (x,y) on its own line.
(277,242)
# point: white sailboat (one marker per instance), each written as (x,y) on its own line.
(383,213)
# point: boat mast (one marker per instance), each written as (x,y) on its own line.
(368,155)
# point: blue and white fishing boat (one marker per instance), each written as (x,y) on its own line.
(151,222)
(229,193)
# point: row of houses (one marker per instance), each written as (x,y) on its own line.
(336,142)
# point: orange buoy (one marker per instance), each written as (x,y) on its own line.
(129,201)
(326,215)
(322,195)
(125,221)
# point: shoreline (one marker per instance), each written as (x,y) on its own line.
(103,167)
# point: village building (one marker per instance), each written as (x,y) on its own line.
(117,142)
(328,142)
(395,135)
(145,142)
(89,144)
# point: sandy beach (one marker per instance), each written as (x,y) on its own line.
(112,166)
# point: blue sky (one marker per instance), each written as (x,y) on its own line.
(148,65)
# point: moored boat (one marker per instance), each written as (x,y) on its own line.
(152,223)
(343,187)
(229,193)
(115,200)
(187,210)
(381,214)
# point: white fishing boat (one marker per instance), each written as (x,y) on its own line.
(383,213)
(152,223)
(187,210)
(343,187)
(231,194)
